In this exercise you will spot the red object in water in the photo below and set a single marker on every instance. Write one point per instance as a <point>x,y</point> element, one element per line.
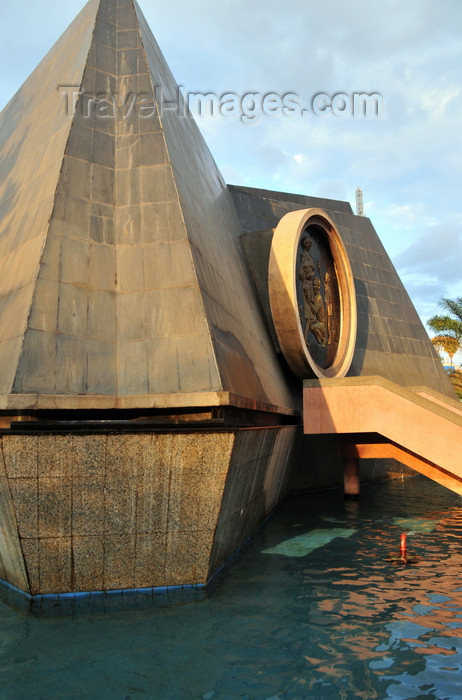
<point>403,546</point>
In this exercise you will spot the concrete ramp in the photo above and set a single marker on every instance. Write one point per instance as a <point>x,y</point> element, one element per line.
<point>378,418</point>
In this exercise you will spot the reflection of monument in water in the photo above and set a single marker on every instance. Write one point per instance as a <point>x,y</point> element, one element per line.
<point>150,366</point>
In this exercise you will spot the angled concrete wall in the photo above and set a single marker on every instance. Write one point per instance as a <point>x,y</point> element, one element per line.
<point>259,477</point>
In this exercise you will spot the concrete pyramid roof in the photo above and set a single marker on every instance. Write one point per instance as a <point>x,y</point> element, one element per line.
<point>122,279</point>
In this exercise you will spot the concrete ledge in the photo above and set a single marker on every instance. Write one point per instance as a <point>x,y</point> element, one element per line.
<point>26,402</point>
<point>422,396</point>
<point>427,393</point>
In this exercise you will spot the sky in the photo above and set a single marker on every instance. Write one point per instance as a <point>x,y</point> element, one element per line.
<point>407,160</point>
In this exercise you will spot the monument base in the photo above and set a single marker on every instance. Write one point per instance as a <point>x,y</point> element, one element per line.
<point>129,510</point>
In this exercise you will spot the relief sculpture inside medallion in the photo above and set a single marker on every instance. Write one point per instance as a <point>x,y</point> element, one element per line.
<point>318,296</point>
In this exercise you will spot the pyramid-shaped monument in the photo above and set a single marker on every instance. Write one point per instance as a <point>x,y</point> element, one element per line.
<point>122,275</point>
<point>133,280</point>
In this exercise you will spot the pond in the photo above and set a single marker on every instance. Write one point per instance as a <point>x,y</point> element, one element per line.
<point>318,605</point>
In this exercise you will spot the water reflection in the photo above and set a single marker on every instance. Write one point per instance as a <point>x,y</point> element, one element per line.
<point>342,621</point>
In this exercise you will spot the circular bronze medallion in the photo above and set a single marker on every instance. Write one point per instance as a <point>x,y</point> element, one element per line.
<point>312,295</point>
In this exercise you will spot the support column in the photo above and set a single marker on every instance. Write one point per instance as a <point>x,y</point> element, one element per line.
<point>351,478</point>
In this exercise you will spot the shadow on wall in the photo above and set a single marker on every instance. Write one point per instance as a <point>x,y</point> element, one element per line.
<point>362,304</point>
<point>318,464</point>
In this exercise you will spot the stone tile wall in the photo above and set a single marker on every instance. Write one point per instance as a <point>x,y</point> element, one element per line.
<point>107,512</point>
<point>259,476</point>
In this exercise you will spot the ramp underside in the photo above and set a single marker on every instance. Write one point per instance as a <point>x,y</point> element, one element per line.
<point>378,418</point>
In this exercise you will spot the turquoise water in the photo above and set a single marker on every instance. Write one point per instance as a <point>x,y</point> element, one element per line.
<point>316,607</point>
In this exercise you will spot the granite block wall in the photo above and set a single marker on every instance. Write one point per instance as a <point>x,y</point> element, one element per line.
<point>258,478</point>
<point>105,512</point>
<point>109,512</point>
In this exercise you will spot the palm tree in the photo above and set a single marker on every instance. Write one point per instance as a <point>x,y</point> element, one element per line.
<point>449,330</point>
<point>448,343</point>
<point>456,379</point>
<point>449,325</point>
